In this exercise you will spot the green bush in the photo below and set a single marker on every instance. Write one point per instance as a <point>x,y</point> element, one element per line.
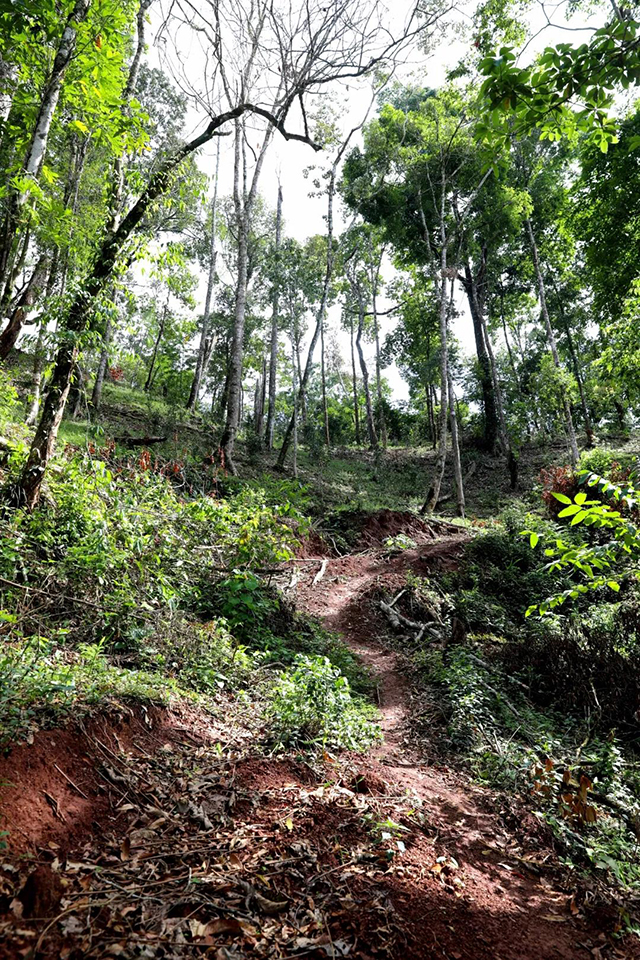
<point>601,459</point>
<point>313,704</point>
<point>500,574</point>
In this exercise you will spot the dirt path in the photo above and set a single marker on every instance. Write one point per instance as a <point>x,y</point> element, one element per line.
<point>164,833</point>
<point>506,907</point>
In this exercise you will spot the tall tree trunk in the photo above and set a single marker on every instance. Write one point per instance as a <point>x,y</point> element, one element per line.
<point>302,398</point>
<point>295,397</point>
<point>470,284</point>
<point>36,151</point>
<point>433,496</point>
<point>354,381</point>
<point>259,401</point>
<point>478,311</point>
<point>156,347</point>
<point>14,269</point>
<point>455,447</point>
<point>323,377</point>
<point>505,440</point>
<point>371,426</point>
<point>588,426</point>
<point>320,315</point>
<point>273,342</point>
<point>206,336</point>
<point>568,417</point>
<point>8,78</point>
<point>381,417</point>
<point>39,352</point>
<point>243,203</point>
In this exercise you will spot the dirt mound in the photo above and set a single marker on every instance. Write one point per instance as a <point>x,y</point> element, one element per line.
<point>363,530</point>
<point>379,527</point>
<point>56,790</point>
<point>313,545</point>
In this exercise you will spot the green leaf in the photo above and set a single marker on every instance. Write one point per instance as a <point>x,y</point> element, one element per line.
<point>562,497</point>
<point>614,585</point>
<point>533,539</point>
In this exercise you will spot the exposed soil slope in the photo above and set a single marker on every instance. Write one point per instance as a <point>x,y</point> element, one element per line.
<point>162,834</point>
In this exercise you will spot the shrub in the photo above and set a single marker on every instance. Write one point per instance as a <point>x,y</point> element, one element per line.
<point>313,704</point>
<point>8,397</point>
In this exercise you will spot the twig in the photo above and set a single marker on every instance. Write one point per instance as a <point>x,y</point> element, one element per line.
<point>395,599</point>
<point>69,780</point>
<point>320,574</point>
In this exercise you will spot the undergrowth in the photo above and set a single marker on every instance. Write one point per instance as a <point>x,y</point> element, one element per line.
<point>123,584</point>
<point>544,709</point>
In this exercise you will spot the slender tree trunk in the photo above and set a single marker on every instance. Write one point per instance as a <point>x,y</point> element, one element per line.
<point>206,336</point>
<point>571,433</point>
<point>512,362</point>
<point>156,347</point>
<point>14,268</point>
<point>433,496</point>
<point>323,375</point>
<point>117,187</point>
<point>39,352</point>
<point>273,343</point>
<point>381,417</point>
<point>455,447</point>
<point>8,78</point>
<point>71,198</point>
<point>588,426</point>
<point>259,401</point>
<point>354,379</point>
<point>295,398</point>
<point>34,158</point>
<point>235,358</point>
<point>302,398</point>
<point>470,285</point>
<point>371,426</point>
<point>243,203</point>
<point>505,440</point>
<point>21,310</point>
<point>321,310</point>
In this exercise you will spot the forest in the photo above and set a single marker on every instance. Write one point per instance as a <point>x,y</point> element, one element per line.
<point>319,444</point>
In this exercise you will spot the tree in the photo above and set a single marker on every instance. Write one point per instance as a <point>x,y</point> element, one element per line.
<point>337,43</point>
<point>404,182</point>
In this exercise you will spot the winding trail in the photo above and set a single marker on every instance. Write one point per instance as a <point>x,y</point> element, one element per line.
<point>511,908</point>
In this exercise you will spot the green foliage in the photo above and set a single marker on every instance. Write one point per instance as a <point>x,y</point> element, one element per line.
<point>568,89</point>
<point>40,678</point>
<point>137,603</point>
<point>614,550</point>
<point>313,704</point>
<point>8,398</point>
<point>500,574</point>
